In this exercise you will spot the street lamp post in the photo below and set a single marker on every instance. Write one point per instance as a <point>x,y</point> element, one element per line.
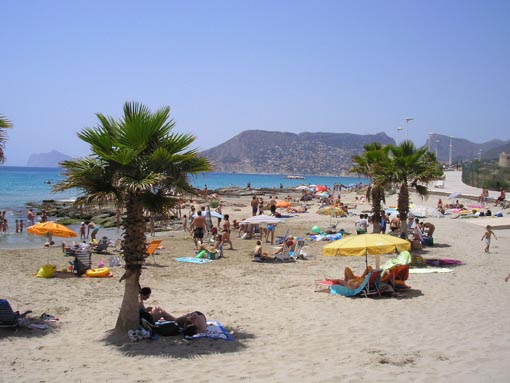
<point>430,141</point>
<point>480,155</point>
<point>437,144</point>
<point>450,157</point>
<point>398,134</point>
<point>407,127</point>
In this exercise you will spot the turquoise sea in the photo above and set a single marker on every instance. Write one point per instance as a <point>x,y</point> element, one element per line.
<point>21,185</point>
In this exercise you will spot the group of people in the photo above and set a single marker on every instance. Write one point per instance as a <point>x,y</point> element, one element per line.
<point>200,227</point>
<point>191,323</point>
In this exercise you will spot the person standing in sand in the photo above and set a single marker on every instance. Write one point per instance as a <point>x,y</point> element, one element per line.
<point>226,231</point>
<point>487,236</point>
<point>198,227</point>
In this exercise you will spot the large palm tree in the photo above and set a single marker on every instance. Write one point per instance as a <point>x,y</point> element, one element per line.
<point>410,167</point>
<point>369,164</point>
<point>4,123</point>
<point>135,161</point>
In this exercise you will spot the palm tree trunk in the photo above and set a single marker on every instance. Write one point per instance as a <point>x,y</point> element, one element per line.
<point>376,208</point>
<point>134,255</point>
<point>403,207</point>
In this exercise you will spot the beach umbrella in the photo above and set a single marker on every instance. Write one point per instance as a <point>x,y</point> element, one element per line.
<point>214,214</point>
<point>320,188</point>
<point>263,218</point>
<point>365,244</point>
<point>454,195</point>
<point>425,211</point>
<point>51,229</point>
<point>302,187</point>
<point>283,204</point>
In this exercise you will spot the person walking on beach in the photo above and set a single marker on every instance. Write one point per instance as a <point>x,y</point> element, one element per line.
<point>254,206</point>
<point>198,227</point>
<point>487,236</point>
<point>226,231</point>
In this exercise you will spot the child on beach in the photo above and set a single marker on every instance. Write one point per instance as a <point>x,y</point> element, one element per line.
<point>487,235</point>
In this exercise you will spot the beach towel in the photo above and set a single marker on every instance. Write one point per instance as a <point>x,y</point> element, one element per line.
<point>441,262</point>
<point>428,270</point>
<point>215,330</point>
<point>193,260</point>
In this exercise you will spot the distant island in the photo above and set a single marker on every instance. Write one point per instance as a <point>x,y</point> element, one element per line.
<point>47,160</point>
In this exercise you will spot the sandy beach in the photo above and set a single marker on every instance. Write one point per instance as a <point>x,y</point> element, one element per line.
<point>449,327</point>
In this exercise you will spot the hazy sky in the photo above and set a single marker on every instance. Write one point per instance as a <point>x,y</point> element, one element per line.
<point>228,66</point>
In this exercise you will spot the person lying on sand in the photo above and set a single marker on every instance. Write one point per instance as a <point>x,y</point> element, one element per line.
<point>352,281</point>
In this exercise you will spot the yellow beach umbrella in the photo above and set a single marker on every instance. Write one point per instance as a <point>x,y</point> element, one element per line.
<point>364,244</point>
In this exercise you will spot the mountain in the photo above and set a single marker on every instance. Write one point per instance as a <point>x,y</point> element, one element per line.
<point>260,151</point>
<point>463,149</point>
<point>46,160</point>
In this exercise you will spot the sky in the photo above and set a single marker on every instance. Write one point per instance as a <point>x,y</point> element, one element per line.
<point>224,67</point>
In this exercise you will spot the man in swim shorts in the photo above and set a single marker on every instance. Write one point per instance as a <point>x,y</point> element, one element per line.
<point>198,227</point>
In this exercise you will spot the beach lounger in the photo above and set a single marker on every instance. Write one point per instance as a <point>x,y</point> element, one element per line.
<point>371,285</point>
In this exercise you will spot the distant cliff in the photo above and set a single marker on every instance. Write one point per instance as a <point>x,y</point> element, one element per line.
<point>47,160</point>
<point>259,151</point>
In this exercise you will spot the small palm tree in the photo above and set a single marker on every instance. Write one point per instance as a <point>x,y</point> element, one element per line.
<point>4,124</point>
<point>410,167</point>
<point>135,161</point>
<point>369,164</point>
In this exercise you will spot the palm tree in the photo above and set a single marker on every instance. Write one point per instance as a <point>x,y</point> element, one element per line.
<point>134,162</point>
<point>369,164</point>
<point>410,167</point>
<point>4,124</point>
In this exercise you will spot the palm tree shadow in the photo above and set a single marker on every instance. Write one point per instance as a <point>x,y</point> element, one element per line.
<point>177,346</point>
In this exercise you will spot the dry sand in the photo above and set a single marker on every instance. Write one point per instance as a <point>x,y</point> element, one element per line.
<point>450,327</point>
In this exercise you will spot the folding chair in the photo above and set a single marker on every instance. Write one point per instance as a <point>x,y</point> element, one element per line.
<point>152,247</point>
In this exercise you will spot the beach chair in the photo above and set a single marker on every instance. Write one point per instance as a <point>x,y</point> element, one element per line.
<point>363,288</point>
<point>397,277</point>
<point>8,317</point>
<point>101,247</point>
<point>82,261</point>
<point>373,287</point>
<point>152,247</point>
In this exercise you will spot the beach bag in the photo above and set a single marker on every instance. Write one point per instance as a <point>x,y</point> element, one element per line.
<point>46,271</point>
<point>163,328</point>
<point>166,328</point>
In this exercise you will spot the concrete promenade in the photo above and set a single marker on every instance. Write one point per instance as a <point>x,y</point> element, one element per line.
<point>453,184</point>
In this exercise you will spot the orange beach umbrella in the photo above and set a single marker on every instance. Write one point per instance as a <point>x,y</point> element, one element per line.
<point>51,228</point>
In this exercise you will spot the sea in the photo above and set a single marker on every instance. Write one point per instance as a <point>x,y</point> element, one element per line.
<point>22,185</point>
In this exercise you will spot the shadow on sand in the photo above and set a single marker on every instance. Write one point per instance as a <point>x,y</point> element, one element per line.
<point>177,346</point>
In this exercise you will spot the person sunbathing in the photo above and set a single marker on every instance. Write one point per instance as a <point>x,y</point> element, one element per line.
<point>192,323</point>
<point>156,312</point>
<point>212,249</point>
<point>352,281</point>
<point>290,244</point>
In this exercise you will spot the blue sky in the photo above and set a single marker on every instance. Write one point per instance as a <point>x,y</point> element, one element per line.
<point>228,66</point>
